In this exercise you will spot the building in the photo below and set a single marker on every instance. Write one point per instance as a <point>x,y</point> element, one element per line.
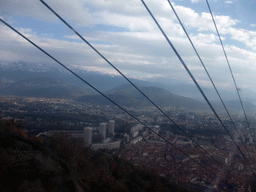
<point>137,139</point>
<point>112,145</point>
<point>135,134</point>
<point>111,127</point>
<point>102,129</point>
<point>107,140</point>
<point>136,128</point>
<point>126,138</point>
<point>88,135</point>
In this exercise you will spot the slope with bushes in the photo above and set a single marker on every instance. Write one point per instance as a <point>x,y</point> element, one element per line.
<point>62,164</point>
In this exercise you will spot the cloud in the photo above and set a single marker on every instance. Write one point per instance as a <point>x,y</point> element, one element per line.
<point>103,70</point>
<point>138,49</point>
<point>77,12</point>
<point>203,22</point>
<point>228,2</point>
<point>226,25</point>
<point>245,36</point>
<point>195,1</point>
<point>205,38</point>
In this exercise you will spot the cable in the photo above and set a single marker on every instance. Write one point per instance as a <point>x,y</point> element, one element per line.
<point>103,94</point>
<point>129,81</point>
<point>207,73</point>
<point>198,86</point>
<point>247,121</point>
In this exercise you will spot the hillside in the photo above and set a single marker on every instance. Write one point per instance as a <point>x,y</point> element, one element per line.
<point>15,73</point>
<point>126,95</point>
<point>43,87</point>
<point>61,164</point>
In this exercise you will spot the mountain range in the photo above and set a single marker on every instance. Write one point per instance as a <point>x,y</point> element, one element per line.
<point>127,95</point>
<point>38,80</point>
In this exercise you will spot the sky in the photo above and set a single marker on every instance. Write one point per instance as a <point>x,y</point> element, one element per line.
<point>126,35</point>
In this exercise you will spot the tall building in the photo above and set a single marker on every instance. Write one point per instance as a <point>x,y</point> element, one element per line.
<point>102,129</point>
<point>111,127</point>
<point>88,135</point>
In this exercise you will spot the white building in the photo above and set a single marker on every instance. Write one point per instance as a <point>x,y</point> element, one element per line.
<point>137,139</point>
<point>112,145</point>
<point>135,134</point>
<point>135,128</point>
<point>102,129</point>
<point>111,127</point>
<point>88,135</point>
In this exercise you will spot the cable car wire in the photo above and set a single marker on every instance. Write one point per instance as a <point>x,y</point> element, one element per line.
<point>101,93</point>
<point>229,66</point>
<point>224,105</point>
<point>136,87</point>
<point>196,83</point>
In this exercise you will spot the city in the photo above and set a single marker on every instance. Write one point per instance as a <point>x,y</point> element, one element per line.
<point>108,128</point>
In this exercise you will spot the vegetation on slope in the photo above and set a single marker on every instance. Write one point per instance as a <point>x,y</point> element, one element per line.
<point>61,164</point>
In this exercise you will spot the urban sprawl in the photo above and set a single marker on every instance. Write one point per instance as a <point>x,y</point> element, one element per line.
<point>109,128</point>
